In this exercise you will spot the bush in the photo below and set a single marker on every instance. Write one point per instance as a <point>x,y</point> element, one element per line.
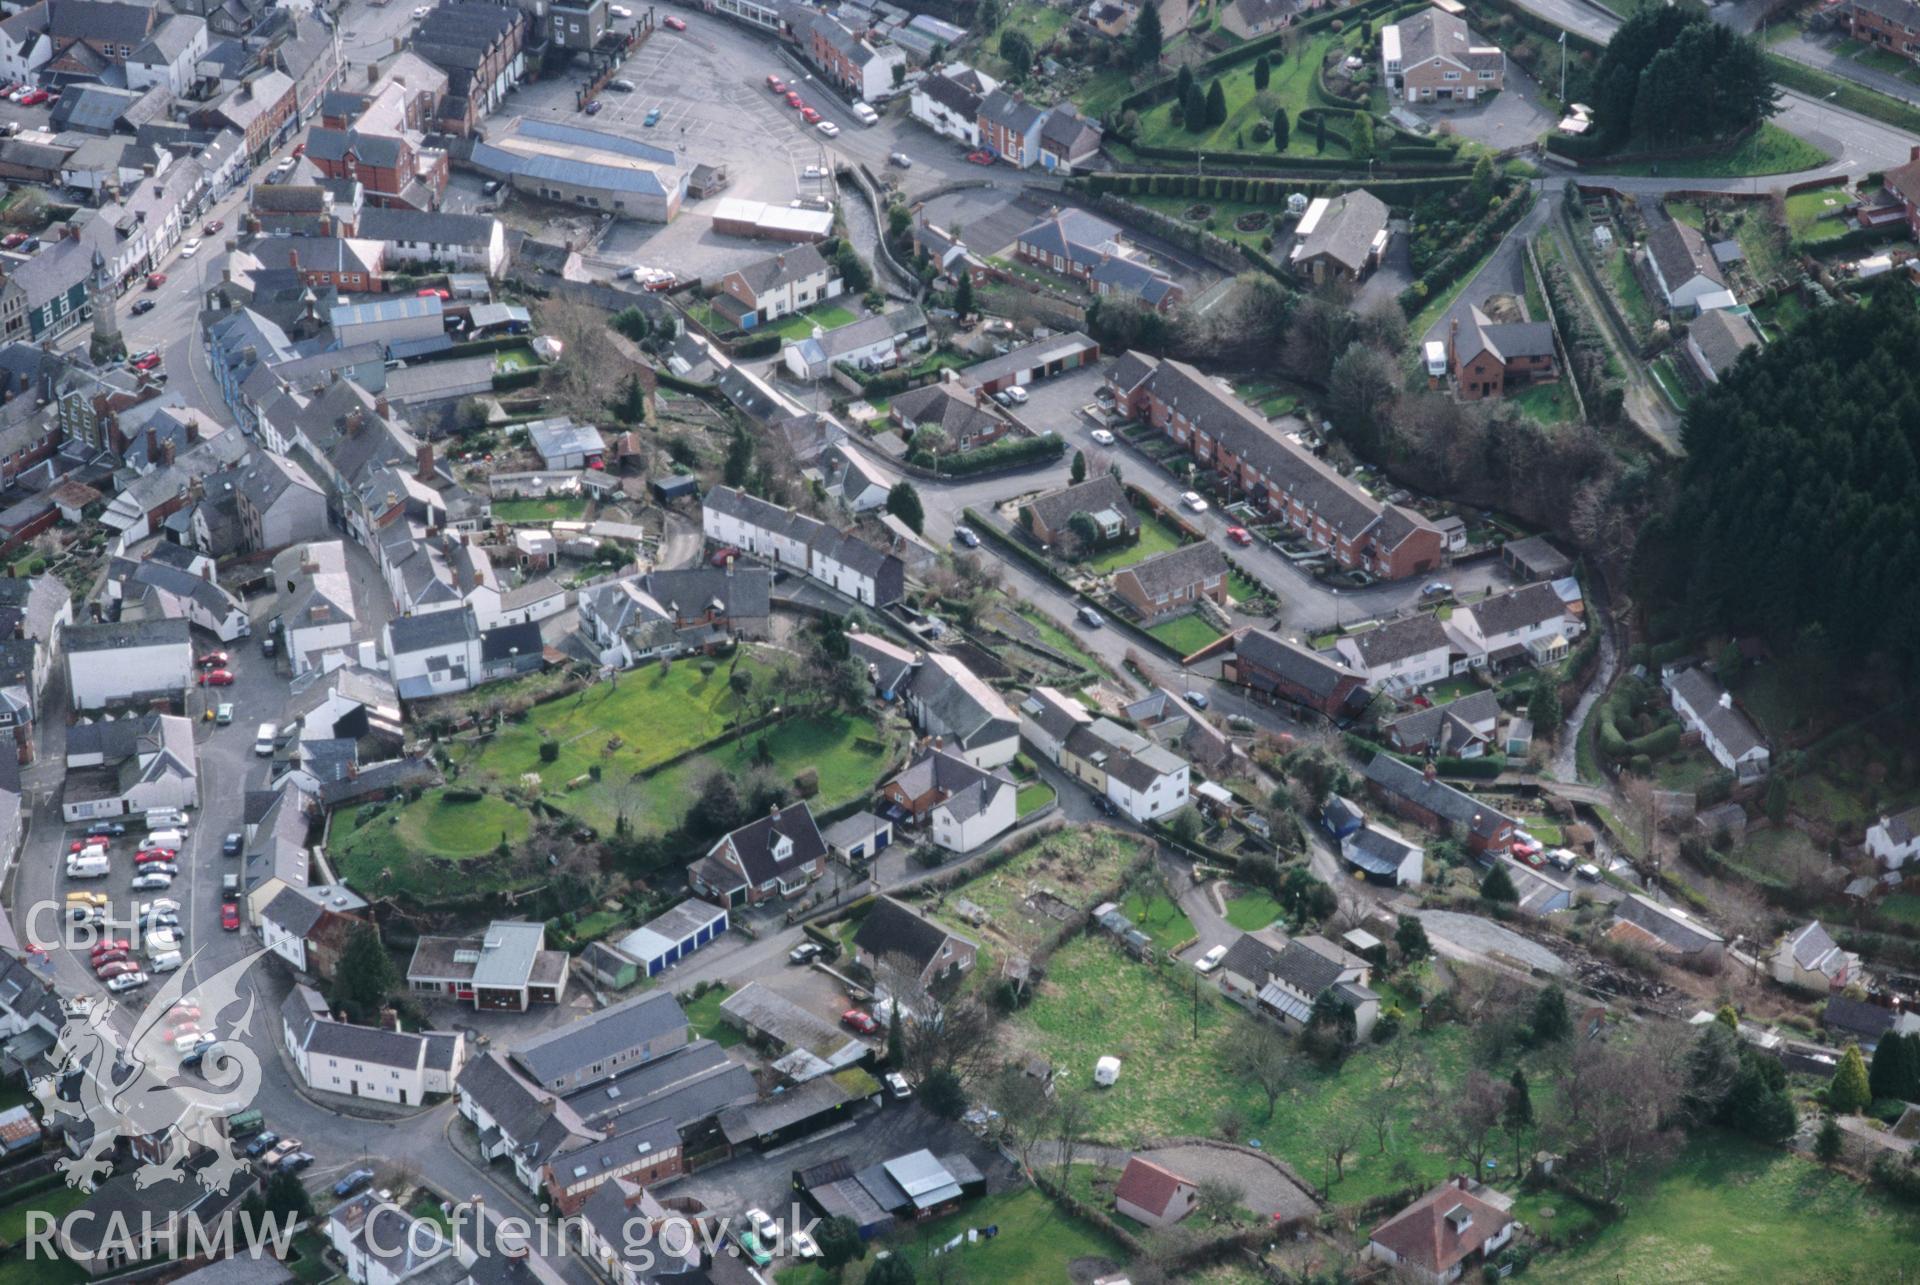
<point>1005,454</point>
<point>549,750</point>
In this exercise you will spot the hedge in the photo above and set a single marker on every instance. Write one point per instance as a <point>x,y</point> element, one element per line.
<point>1269,190</point>
<point>1005,454</point>
<point>1486,768</point>
<point>1161,90</point>
<point>506,381</point>
<point>1487,233</point>
<point>762,345</point>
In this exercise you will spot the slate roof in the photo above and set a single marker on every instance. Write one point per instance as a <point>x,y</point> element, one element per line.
<point>1003,108</point>
<point>956,89</point>
<point>1177,569</point>
<point>1074,234</point>
<point>1505,340</point>
<point>946,406</point>
<point>1427,726</point>
<point>892,929</point>
<point>1252,958</point>
<point>776,270</point>
<point>1682,254</point>
<point>1517,609</point>
<point>1399,640</point>
<point>1379,851</point>
<point>1730,727</point>
<point>1312,964</point>
<point>1814,950</point>
<point>114,635</point>
<point>753,843</point>
<point>1346,229</point>
<point>125,24</point>
<point>437,226</point>
<point>1437,797</point>
<point>1538,557</point>
<point>1318,672</point>
<point>566,1050</point>
<point>956,702</point>
<point>1721,337</point>
<point>432,629</point>
<point>1674,928</point>
<point>1436,33</point>
<point>1091,496</point>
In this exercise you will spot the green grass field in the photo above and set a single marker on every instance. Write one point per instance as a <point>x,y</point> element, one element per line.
<point>57,1203</point>
<point>1671,381</point>
<point>427,847</point>
<point>800,325</point>
<point>1250,910</point>
<point>1053,636</point>
<point>1769,150</point>
<point>1095,1004</point>
<point>1813,217</point>
<point>1160,918</point>
<point>1035,1245</point>
<point>1626,287</point>
<point>560,508</point>
<point>1080,866</point>
<point>1736,1211</point>
<point>703,1015</point>
<point>1155,537</point>
<point>1032,798</point>
<point>1903,907</point>
<point>1548,403</point>
<point>1185,634</point>
<point>1291,88</point>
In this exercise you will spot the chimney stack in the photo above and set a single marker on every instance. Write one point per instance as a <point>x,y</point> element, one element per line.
<point>293,259</point>
<point>382,408</point>
<point>423,461</point>
<point>1431,772</point>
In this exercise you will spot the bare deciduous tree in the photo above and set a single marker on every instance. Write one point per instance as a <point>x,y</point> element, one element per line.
<point>1617,1105</point>
<point>1261,1053</point>
<point>1378,1109</point>
<point>1337,1135</point>
<point>1466,1117</point>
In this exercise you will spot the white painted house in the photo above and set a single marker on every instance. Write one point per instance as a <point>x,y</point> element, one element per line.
<point>1895,839</point>
<point>317,612</point>
<point>367,1061</point>
<point>127,662</point>
<point>1727,733</point>
<point>1404,655</point>
<point>1532,622</point>
<point>1683,265</point>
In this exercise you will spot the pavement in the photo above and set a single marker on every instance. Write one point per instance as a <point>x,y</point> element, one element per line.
<point>1824,53</point>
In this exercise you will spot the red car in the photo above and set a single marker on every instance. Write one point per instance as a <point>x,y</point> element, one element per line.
<point>213,227</point>
<point>720,556</point>
<point>34,98</point>
<point>107,958</point>
<point>859,1021</point>
<point>597,463</point>
<point>982,157</point>
<point>673,24</point>
<point>809,115</point>
<point>433,292</point>
<point>13,240</point>
<point>299,149</point>
<point>91,841</point>
<point>217,678</point>
<point>146,361</point>
<point>107,947</point>
<point>152,855</point>
<point>213,660</point>
<point>795,101</point>
<point>183,1013</point>
<point>118,968</point>
<point>1239,535</point>
<point>155,280</point>
<point>776,84</point>
<point>230,916</point>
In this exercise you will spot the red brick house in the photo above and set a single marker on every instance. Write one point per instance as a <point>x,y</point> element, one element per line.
<point>1273,472</point>
<point>1103,499</point>
<point>348,265</point>
<point>1488,356</point>
<point>90,35</point>
<point>1270,664</point>
<point>1887,24</point>
<point>389,170</point>
<point>1903,185</point>
<point>1419,796</point>
<point>1175,581</point>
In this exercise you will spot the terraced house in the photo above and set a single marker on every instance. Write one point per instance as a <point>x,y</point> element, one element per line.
<point>1887,24</point>
<point>1275,473</point>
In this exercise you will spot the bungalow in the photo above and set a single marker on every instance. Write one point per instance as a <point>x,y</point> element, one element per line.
<point>1286,980</point>
<point>1895,839</point>
<point>1664,930</point>
<point>1173,582</point>
<point>964,806</point>
<point>776,856</point>
<point>967,421</point>
<point>1807,957</point>
<point>869,344</point>
<point>1727,733</point>
<point>1087,248</point>
<point>1461,728</point>
<point>1422,798</point>
<point>1250,18</point>
<point>900,937</point>
<point>1151,1194</point>
<point>1683,265</point>
<point>1867,1022</point>
<point>944,698</point>
<point>1716,339</point>
<point>1340,238</point>
<point>1403,655</point>
<point>1283,669</point>
<point>1384,856</point>
<point>1439,1236</point>
<point>1102,499</point>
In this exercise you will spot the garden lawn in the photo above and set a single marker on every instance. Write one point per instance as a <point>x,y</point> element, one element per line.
<point>1036,1243</point>
<point>1096,1003</point>
<point>1032,798</point>
<point>703,1015</point>
<point>1052,635</point>
<point>1769,150</point>
<point>1548,403</point>
<point>1627,288</point>
<point>800,325</point>
<point>1155,537</point>
<point>1736,1211</point>
<point>1250,910</point>
<point>1224,214</point>
<point>1291,88</point>
<point>511,359</point>
<point>1671,381</point>
<point>57,1202</point>
<point>1160,918</point>
<point>1185,634</point>
<point>430,846</point>
<point>560,508</point>
<point>1813,217</point>
<point>1903,907</point>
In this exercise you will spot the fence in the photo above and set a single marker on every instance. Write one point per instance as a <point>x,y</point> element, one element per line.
<point>1559,340</point>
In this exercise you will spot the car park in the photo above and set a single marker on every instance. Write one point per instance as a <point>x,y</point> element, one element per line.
<point>1193,501</point>
<point>150,881</point>
<point>1211,960</point>
<point>653,118</point>
<point>860,1021</point>
<point>127,982</point>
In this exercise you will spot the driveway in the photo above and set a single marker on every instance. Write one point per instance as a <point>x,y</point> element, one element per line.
<point>1504,272</point>
<point>1514,117</point>
<point>1394,274</point>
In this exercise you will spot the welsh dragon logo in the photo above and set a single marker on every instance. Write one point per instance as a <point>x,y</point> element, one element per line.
<point>139,1088</point>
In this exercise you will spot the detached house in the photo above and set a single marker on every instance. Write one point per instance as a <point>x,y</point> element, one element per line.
<point>1284,669</point>
<point>1284,981</point>
<point>1460,728</point>
<point>900,936</point>
<point>791,281</point>
<point>1151,1194</point>
<point>1173,582</point>
<point>1716,339</point>
<point>1727,733</point>
<point>508,968</point>
<point>968,420</point>
<point>944,698</point>
<point>1895,840</point>
<point>1683,265</point>
<point>774,857</point>
<point>1402,655</point>
<point>1250,18</point>
<point>1489,357</point>
<point>1340,238</point>
<point>963,806</point>
<point>1532,624</point>
<point>1102,499</point>
<point>1442,1234</point>
<point>1808,958</point>
<point>1420,797</point>
<point>1435,57</point>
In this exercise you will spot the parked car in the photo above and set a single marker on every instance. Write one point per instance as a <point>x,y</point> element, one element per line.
<point>966,536</point>
<point>286,164</point>
<point>1102,437</point>
<point>230,916</point>
<point>621,12</point>
<point>721,555</point>
<point>653,118</point>
<point>146,361</point>
<point>1090,618</point>
<point>108,969</point>
<point>180,1013</point>
<point>621,85</point>
<point>1240,535</point>
<point>897,1086</point>
<point>155,280</point>
<point>194,1055</point>
<point>809,115</point>
<point>151,881</point>
<point>828,128</point>
<point>13,240</point>
<point>672,23</point>
<point>795,101</point>
<point>166,961</point>
<point>152,855</point>
<point>1017,395</point>
<point>751,1249</point>
<point>217,678</point>
<point>1193,501</point>
<point>776,84</point>
<point>806,952</point>
<point>34,97</point>
<point>296,1162</point>
<point>803,1245</point>
<point>213,660</point>
<point>1197,699</point>
<point>352,1182</point>
<point>1435,589</point>
<point>281,1150</point>
<point>231,845</point>
<point>214,227</point>
<point>191,248</point>
<point>593,108</point>
<point>860,1021</point>
<point>900,160</point>
<point>224,714</point>
<point>981,157</point>
<point>127,982</point>
<point>106,829</point>
<point>103,947</point>
<point>262,1143</point>
<point>1211,960</point>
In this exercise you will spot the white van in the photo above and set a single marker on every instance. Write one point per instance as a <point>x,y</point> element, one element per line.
<point>81,867</point>
<point>175,839</point>
<point>865,114</point>
<point>167,961</point>
<point>166,819</point>
<point>264,738</point>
